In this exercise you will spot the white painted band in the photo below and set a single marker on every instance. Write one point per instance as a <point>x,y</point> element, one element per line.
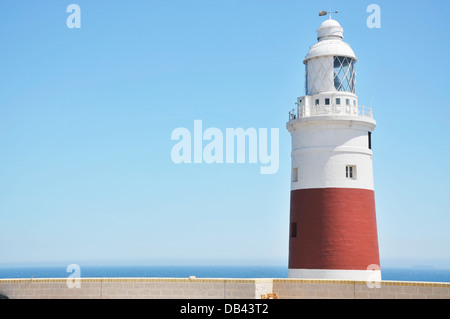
<point>336,274</point>
<point>327,168</point>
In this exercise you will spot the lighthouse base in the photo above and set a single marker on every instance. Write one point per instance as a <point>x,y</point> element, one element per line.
<point>333,229</point>
<point>336,274</point>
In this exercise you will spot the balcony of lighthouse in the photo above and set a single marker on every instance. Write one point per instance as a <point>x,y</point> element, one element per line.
<point>336,104</point>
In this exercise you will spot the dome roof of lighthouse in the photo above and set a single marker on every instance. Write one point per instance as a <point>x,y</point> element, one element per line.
<point>330,29</point>
<point>330,35</point>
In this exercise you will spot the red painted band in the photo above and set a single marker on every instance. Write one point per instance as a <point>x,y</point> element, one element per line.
<point>335,229</point>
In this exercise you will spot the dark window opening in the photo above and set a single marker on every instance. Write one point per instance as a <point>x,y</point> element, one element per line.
<point>295,175</point>
<point>370,140</point>
<point>293,230</point>
<point>327,101</point>
<point>350,171</point>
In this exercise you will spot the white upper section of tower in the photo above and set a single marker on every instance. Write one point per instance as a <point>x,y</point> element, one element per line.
<point>330,78</point>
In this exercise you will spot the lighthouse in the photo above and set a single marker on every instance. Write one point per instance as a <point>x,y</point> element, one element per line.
<point>333,229</point>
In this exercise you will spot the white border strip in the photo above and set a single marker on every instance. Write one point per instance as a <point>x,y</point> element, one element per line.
<point>335,274</point>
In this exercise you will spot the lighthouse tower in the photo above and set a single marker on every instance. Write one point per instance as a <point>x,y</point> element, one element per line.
<point>333,230</point>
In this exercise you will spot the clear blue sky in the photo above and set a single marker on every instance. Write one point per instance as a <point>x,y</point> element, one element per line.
<point>86,117</point>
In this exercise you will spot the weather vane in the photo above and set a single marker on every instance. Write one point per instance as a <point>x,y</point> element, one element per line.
<point>324,13</point>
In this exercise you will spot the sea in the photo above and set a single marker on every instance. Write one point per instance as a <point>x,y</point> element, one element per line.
<point>425,274</point>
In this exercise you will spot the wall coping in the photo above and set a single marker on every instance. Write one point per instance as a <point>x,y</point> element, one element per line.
<point>223,280</point>
<point>137,279</point>
<point>363,282</point>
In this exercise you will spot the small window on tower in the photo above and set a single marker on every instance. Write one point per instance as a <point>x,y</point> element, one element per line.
<point>327,101</point>
<point>295,174</point>
<point>317,101</point>
<point>350,171</point>
<point>293,230</point>
<point>347,101</point>
<point>338,101</point>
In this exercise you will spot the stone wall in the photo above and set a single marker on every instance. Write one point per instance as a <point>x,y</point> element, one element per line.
<point>342,289</point>
<point>120,288</point>
<point>199,288</point>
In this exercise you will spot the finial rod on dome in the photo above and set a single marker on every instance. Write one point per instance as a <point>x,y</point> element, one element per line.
<point>324,13</point>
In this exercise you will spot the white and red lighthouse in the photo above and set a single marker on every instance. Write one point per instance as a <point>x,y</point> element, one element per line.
<point>333,229</point>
